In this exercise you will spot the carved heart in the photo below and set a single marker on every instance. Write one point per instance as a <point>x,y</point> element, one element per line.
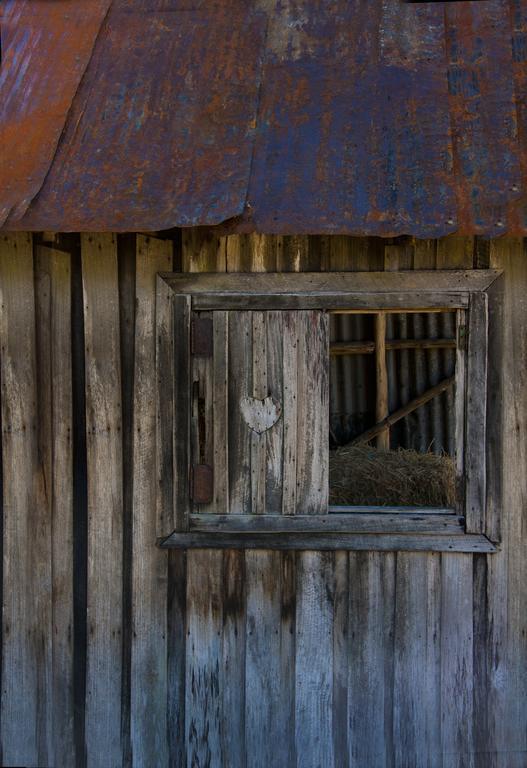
<point>260,415</point>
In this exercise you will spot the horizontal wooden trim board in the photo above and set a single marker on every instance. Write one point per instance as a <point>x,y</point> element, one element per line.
<point>330,541</point>
<point>331,283</point>
<point>399,522</point>
<point>344,291</point>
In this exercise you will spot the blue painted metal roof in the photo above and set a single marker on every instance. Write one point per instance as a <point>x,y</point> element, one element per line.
<point>380,117</point>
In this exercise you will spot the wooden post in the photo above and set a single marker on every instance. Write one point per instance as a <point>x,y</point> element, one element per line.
<point>381,396</point>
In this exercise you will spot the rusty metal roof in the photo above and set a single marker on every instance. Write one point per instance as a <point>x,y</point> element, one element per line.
<point>380,117</point>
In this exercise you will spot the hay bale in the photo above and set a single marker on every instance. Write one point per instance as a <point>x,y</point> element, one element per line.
<point>362,475</point>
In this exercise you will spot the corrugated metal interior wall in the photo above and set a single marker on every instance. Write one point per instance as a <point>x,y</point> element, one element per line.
<point>410,373</point>
<point>117,653</point>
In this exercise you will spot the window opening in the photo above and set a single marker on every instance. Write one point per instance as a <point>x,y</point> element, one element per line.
<point>392,410</point>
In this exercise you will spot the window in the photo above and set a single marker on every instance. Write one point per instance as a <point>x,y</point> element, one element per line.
<point>255,447</point>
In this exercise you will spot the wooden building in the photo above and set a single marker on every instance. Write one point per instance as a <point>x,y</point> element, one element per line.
<point>194,200</point>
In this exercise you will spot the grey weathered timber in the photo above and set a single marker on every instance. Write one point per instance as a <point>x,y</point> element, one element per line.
<point>27,675</point>
<point>220,410</point>
<point>178,430</point>
<point>457,652</point>
<point>239,437</point>
<point>312,411</point>
<point>369,683</point>
<point>425,658</point>
<point>505,643</point>
<point>400,522</point>
<point>166,507</point>
<point>417,661</point>
<point>495,409</point>
<point>263,662</point>
<point>105,505</point>
<point>314,660</point>
<point>204,683</point>
<point>259,407</point>
<point>149,571</point>
<point>476,412</point>
<point>329,541</point>
<point>233,658</point>
<point>54,378</point>
<point>331,286</point>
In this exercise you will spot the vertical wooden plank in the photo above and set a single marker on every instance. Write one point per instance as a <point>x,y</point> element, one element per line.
<point>240,383</point>
<point>460,401</point>
<point>27,547</point>
<point>505,694</point>
<point>457,661</point>
<point>202,437</point>
<point>204,678</point>
<point>371,610</point>
<point>416,701</point>
<point>54,376</point>
<point>290,407</point>
<point>104,454</point>
<point>455,252</point>
<point>215,648</point>
<point>149,573</point>
<point>381,378</point>
<point>274,437</point>
<point>312,459</point>
<point>476,409</point>
<point>314,660</point>
<point>259,391</point>
<point>202,250</point>
<point>233,660</point>
<point>252,253</point>
<point>220,412</point>
<point>179,430</point>
<point>341,660</point>
<point>165,399</point>
<point>263,662</point>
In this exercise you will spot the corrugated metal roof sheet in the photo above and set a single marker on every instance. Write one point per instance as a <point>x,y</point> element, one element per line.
<point>379,117</point>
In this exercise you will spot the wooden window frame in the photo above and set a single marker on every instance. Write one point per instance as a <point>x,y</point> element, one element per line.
<point>475,294</point>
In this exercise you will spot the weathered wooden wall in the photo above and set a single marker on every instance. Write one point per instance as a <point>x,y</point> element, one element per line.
<point>117,653</point>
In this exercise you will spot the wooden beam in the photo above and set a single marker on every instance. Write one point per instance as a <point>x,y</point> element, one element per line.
<point>330,541</point>
<point>359,522</point>
<point>367,347</point>
<point>381,378</point>
<point>405,410</point>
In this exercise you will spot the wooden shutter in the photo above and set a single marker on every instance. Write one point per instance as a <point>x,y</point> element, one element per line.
<point>259,413</point>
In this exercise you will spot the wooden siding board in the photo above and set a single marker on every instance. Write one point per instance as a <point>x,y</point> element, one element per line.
<point>105,500</point>
<point>149,571</point>
<point>27,682</point>
<point>314,660</point>
<point>233,660</point>
<point>457,668</point>
<point>240,380</point>
<point>274,438</point>
<point>167,481</point>
<point>506,649</point>
<point>204,679</point>
<point>416,700</point>
<point>312,406</point>
<point>54,377</point>
<point>476,410</point>
<point>263,680</point>
<point>220,412</point>
<point>332,286</point>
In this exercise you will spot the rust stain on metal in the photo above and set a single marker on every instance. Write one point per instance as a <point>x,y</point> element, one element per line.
<point>381,118</point>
